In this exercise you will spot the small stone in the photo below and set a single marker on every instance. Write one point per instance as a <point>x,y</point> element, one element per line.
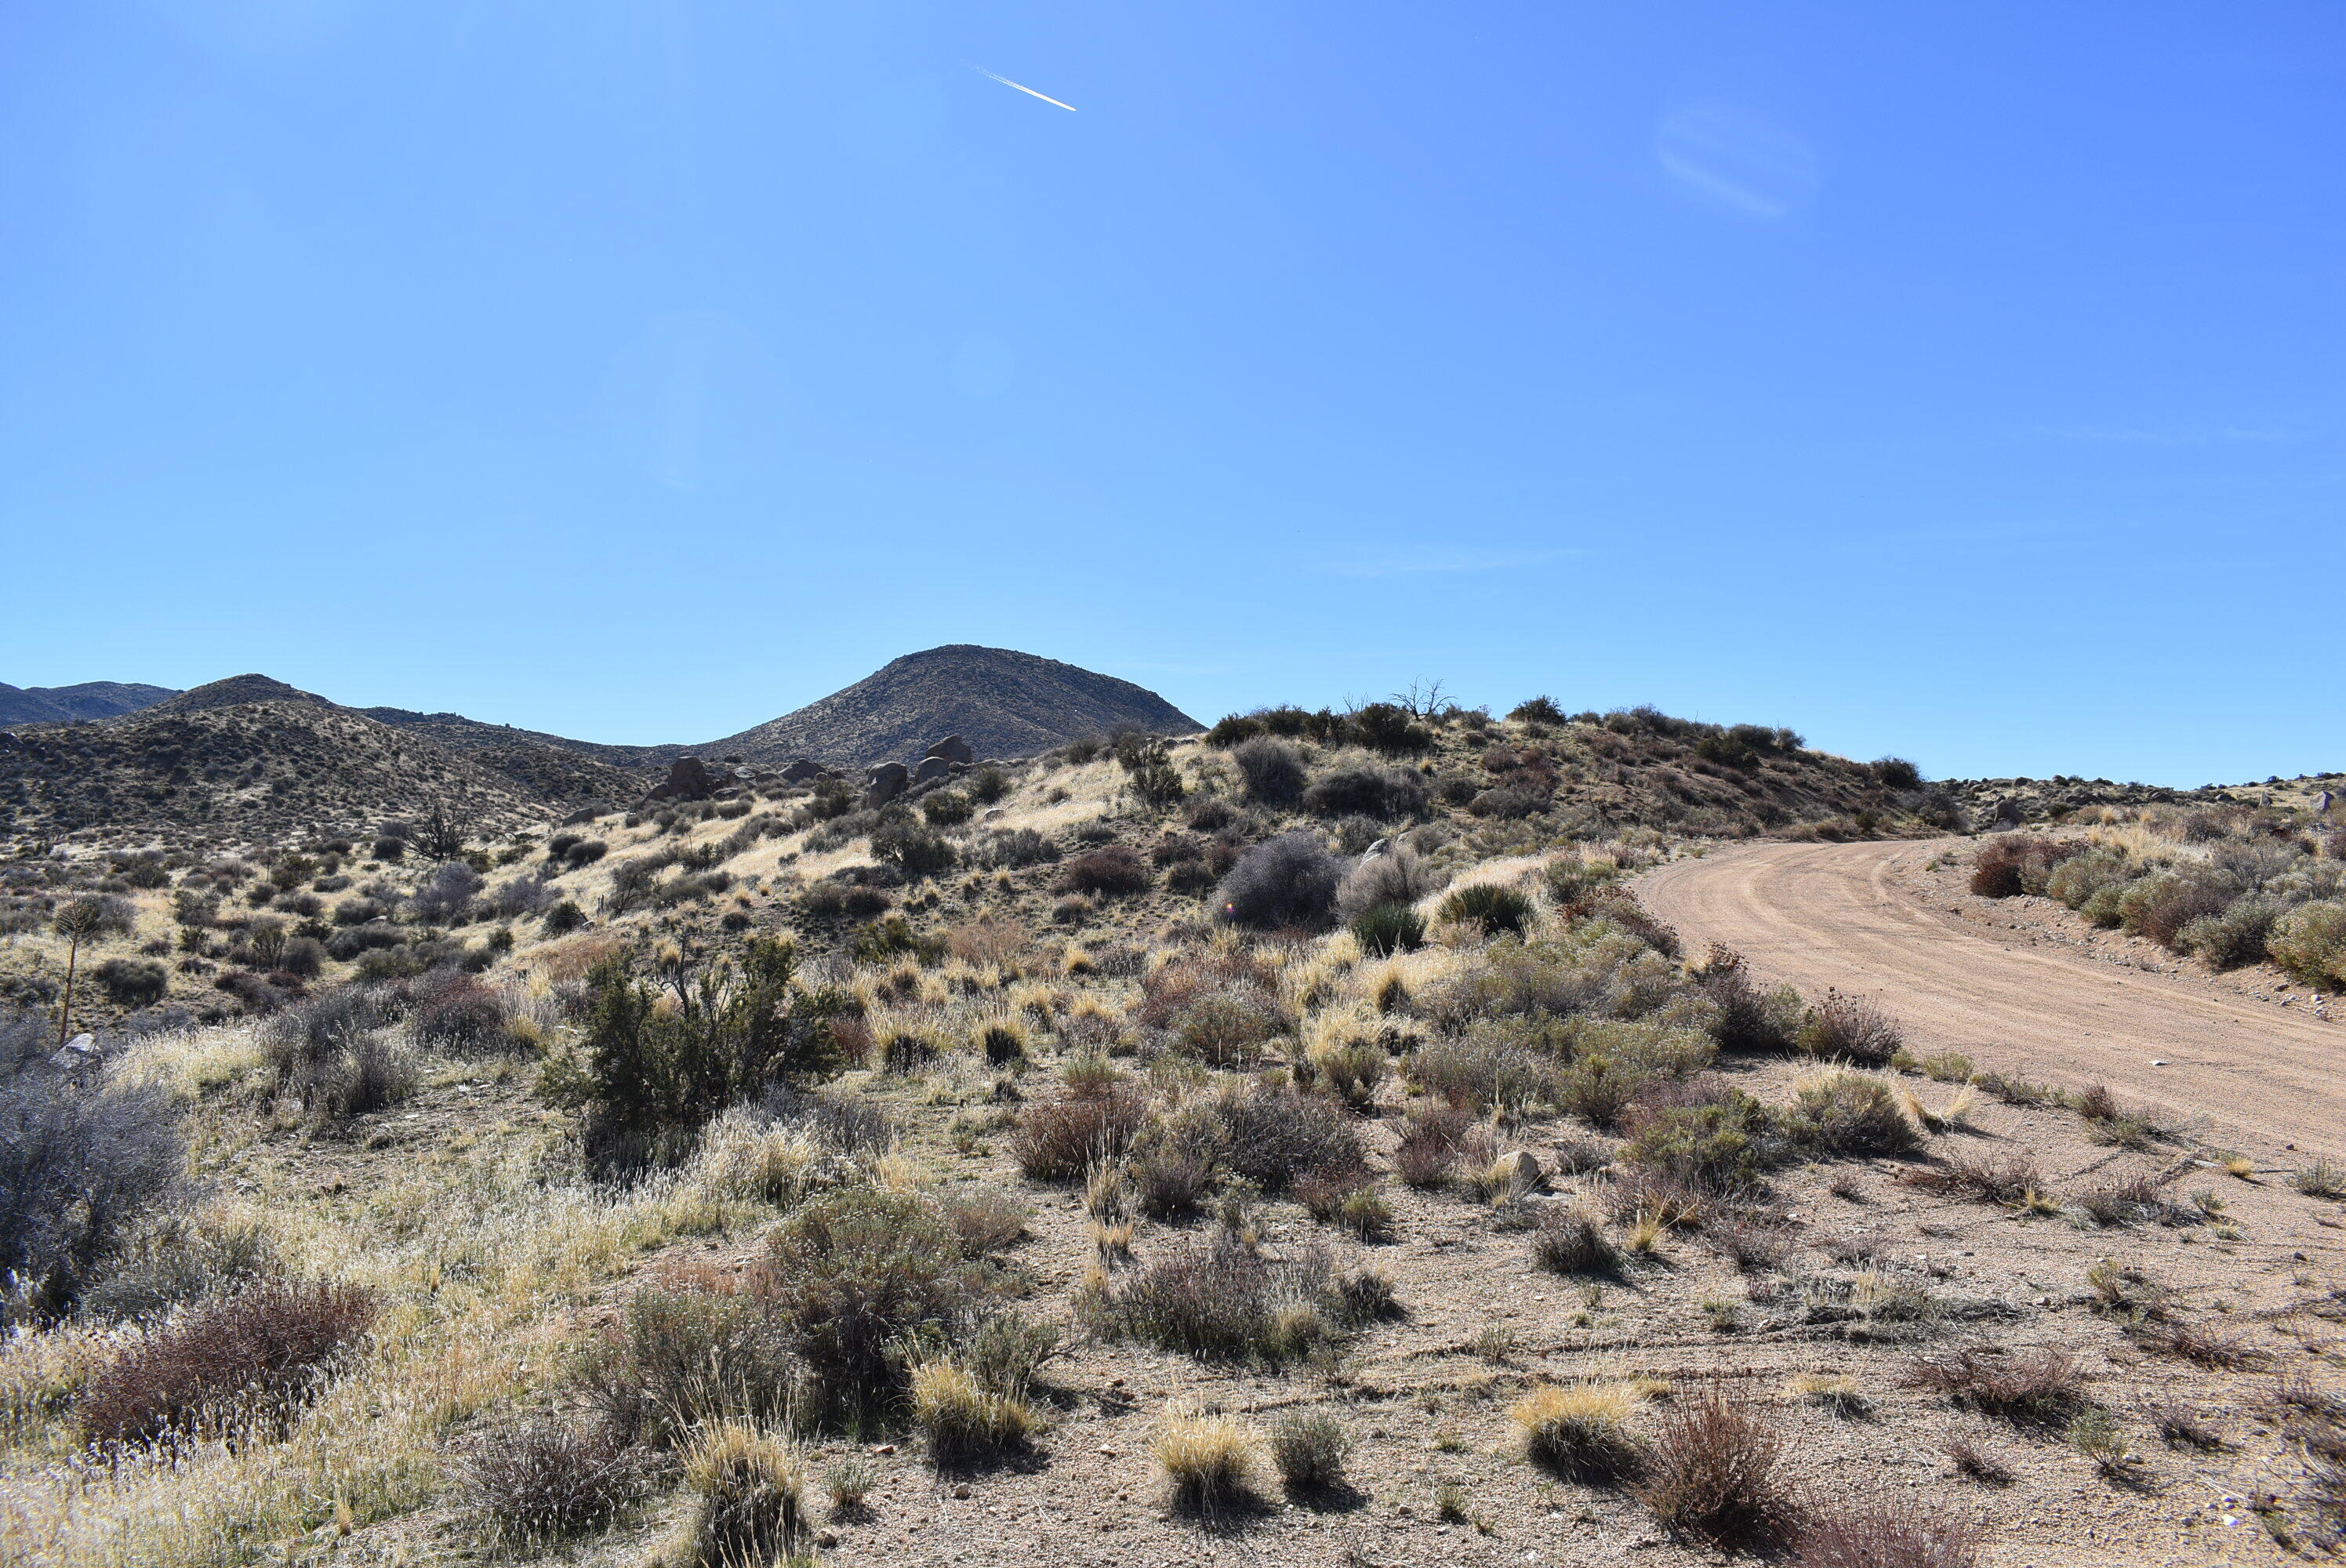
<point>961,1489</point>
<point>826,1540</point>
<point>1106,1452</point>
<point>884,1448</point>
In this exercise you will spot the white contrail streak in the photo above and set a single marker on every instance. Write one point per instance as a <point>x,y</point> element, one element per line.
<point>1030,92</point>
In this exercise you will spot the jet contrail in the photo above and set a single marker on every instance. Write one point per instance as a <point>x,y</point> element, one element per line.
<point>1030,92</point>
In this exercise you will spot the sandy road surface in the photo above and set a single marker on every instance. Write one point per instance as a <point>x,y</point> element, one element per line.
<point>2245,1074</point>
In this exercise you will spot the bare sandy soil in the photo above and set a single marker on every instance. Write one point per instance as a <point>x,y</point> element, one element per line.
<point>2021,986</point>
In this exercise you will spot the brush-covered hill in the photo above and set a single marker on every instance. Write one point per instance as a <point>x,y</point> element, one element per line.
<point>459,733</point>
<point>251,757</point>
<point>70,704</point>
<point>1003,702</point>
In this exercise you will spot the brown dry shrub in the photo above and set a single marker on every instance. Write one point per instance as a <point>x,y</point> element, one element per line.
<point>1428,1151</point>
<point>2040,1389</point>
<point>1169,990</point>
<point>1059,1140</point>
<point>1851,1029</point>
<point>548,1477</point>
<point>250,1360</point>
<point>1111,871</point>
<point>1715,1470</point>
<point>2202,1346</point>
<point>2005,1178</point>
<point>1899,1534</point>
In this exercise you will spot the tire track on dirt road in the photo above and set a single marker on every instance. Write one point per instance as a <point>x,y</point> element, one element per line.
<point>1841,915</point>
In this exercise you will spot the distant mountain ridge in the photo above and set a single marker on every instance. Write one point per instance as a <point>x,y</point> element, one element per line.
<point>250,755</point>
<point>1003,702</point>
<point>72,704</point>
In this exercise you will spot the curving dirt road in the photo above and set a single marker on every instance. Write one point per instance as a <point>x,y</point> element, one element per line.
<point>1843,915</point>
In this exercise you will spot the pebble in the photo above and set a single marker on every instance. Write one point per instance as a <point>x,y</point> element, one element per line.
<point>961,1489</point>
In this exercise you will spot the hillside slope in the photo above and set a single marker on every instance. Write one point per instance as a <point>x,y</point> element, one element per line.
<point>70,704</point>
<point>236,771</point>
<point>1003,702</point>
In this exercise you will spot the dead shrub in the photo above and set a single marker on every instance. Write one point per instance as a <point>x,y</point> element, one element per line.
<point>1059,1140</point>
<point>1567,1241</point>
<point>1219,1300</point>
<point>1273,1137</point>
<point>2040,1390</point>
<point>1170,1183</point>
<point>2202,1346</point>
<point>1714,1471</point>
<point>248,1362</point>
<point>1111,871</point>
<point>548,1477</point>
<point>2006,1179</point>
<point>1893,1533</point>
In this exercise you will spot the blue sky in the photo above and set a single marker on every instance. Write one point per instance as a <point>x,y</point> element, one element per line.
<point>1963,382</point>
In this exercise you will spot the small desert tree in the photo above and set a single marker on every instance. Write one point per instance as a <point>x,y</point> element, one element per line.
<point>77,921</point>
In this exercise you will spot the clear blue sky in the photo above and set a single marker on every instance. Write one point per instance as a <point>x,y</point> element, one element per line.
<point>1960,381</point>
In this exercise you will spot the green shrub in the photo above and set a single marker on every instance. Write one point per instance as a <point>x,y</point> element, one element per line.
<point>1722,1145</point>
<point>2160,905</point>
<point>564,918</point>
<point>2310,942</point>
<point>1489,908</point>
<point>1384,929</point>
<point>947,808</point>
<point>866,1279</point>
<point>135,981</point>
<point>1844,1113</point>
<point>1389,727</point>
<point>650,1077</point>
<point>2237,936</point>
<point>1273,1137</point>
<point>2080,877</point>
<point>678,1361</point>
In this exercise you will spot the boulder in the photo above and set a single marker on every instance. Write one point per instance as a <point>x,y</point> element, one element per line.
<point>691,779</point>
<point>802,771</point>
<point>952,748</point>
<point>932,768</point>
<point>883,781</point>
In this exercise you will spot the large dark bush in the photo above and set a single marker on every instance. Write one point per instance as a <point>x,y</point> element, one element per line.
<point>78,1164</point>
<point>1389,727</point>
<point>1272,769</point>
<point>916,850</point>
<point>132,981</point>
<point>1289,880</point>
<point>650,1077</point>
<point>1381,792</point>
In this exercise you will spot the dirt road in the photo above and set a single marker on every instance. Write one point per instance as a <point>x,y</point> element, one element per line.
<point>2245,1074</point>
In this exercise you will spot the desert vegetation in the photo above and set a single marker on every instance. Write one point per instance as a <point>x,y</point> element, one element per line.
<point>1302,1131</point>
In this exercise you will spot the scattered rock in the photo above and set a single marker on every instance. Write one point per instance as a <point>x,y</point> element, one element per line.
<point>952,749</point>
<point>931,767</point>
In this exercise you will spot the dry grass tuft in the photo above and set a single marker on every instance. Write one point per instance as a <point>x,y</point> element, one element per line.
<point>1210,1461</point>
<point>751,1502</point>
<point>1578,1430</point>
<point>962,1421</point>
